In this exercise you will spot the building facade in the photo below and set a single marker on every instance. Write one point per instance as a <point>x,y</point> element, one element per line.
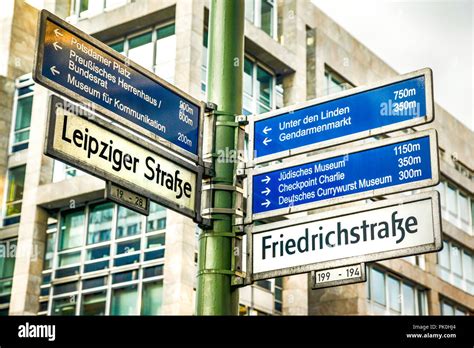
<point>65,250</point>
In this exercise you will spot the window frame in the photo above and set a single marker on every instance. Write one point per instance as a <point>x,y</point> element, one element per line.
<point>21,82</point>
<point>6,203</point>
<point>153,29</point>
<point>108,272</point>
<point>417,290</point>
<point>257,16</point>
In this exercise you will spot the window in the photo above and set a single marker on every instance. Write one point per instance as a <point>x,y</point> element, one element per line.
<point>165,56</point>
<point>262,13</point>
<point>49,252</point>
<point>124,301</point>
<point>451,308</point>
<point>278,295</point>
<point>128,222</point>
<point>154,49</point>
<point>72,229</point>
<point>204,60</point>
<point>334,83</point>
<point>89,8</point>
<point>7,266</point>
<point>390,294</point>
<point>456,266</point>
<point>152,298</point>
<point>100,223</point>
<point>157,219</point>
<point>140,50</point>
<point>259,87</point>
<point>260,92</point>
<point>22,110</point>
<point>457,206</point>
<point>94,304</point>
<point>101,237</point>
<point>63,171</point>
<point>64,306</point>
<point>15,186</point>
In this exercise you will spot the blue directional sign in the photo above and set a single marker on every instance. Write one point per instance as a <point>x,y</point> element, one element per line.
<point>358,113</point>
<point>386,166</point>
<point>78,66</point>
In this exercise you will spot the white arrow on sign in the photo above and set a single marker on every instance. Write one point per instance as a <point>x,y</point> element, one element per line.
<point>56,46</point>
<point>266,192</point>
<point>266,180</point>
<point>54,71</point>
<point>266,130</point>
<point>266,141</point>
<point>266,203</point>
<point>57,32</point>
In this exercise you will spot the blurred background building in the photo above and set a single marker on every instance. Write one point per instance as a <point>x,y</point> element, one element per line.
<point>64,250</point>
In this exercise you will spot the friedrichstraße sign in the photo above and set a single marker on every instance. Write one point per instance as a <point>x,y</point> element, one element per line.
<point>338,276</point>
<point>400,102</point>
<point>80,67</point>
<point>375,231</point>
<point>379,168</point>
<point>87,142</point>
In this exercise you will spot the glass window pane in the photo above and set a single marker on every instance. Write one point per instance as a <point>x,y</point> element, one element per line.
<point>49,252</point>
<point>377,286</point>
<point>100,223</point>
<point>250,10</point>
<point>98,253</point>
<point>23,113</point>
<point>69,258</point>
<point>267,16</point>
<point>72,229</point>
<point>141,50</point>
<point>118,46</point>
<point>422,302</point>
<point>456,265</point>
<point>7,258</point>
<point>155,241</point>
<point>128,222</point>
<point>443,256</point>
<point>451,200</point>
<point>468,266</point>
<point>446,309</point>
<point>16,181</point>
<point>408,293</point>
<point>64,306</point>
<point>464,207</point>
<point>166,54</point>
<point>94,304</point>
<point>458,311</point>
<point>394,294</point>
<point>157,218</point>
<point>248,77</point>
<point>152,298</point>
<point>166,31</point>
<point>128,247</point>
<point>124,301</point>
<point>264,87</point>
<point>472,215</point>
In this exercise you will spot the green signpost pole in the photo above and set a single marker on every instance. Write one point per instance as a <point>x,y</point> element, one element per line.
<point>215,294</point>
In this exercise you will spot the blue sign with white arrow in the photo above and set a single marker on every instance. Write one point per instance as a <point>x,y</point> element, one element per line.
<point>76,65</point>
<point>362,112</point>
<point>386,166</point>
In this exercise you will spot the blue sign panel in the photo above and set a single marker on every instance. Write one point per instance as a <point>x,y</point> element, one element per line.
<point>392,165</point>
<point>400,104</point>
<point>87,72</point>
